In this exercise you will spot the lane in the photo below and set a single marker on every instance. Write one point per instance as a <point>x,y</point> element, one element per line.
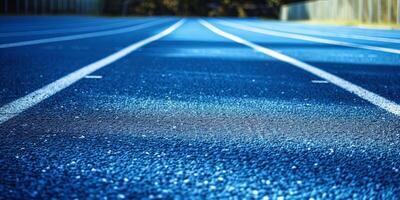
<point>387,33</point>
<point>18,106</point>
<point>375,71</point>
<point>348,36</point>
<point>360,45</point>
<point>31,23</point>
<point>62,32</point>
<point>47,31</point>
<point>34,40</point>
<point>26,69</point>
<point>195,115</point>
<point>332,35</point>
<point>350,87</point>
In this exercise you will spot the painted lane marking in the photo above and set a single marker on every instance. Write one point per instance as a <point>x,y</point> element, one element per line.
<point>81,36</point>
<point>69,30</point>
<point>68,23</point>
<point>373,98</point>
<point>341,35</point>
<point>308,38</point>
<point>93,77</point>
<point>386,28</point>
<point>319,81</point>
<point>18,106</point>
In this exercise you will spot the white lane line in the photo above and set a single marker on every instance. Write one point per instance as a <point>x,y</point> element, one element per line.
<point>308,38</point>
<point>341,35</point>
<point>40,24</point>
<point>386,28</point>
<point>93,77</point>
<point>81,36</point>
<point>319,81</point>
<point>18,106</point>
<point>373,98</point>
<point>69,30</point>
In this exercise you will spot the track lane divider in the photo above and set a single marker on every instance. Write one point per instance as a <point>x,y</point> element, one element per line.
<point>297,30</point>
<point>308,38</point>
<point>93,28</point>
<point>369,96</point>
<point>18,106</point>
<point>81,36</point>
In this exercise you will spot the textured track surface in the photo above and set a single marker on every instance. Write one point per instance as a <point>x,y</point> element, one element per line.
<point>195,115</point>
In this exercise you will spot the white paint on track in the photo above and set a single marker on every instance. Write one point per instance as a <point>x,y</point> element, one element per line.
<point>81,36</point>
<point>69,30</point>
<point>386,28</point>
<point>373,98</point>
<point>339,35</point>
<point>319,81</point>
<point>93,77</point>
<point>308,38</point>
<point>18,106</point>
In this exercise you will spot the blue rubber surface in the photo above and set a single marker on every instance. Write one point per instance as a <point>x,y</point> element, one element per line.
<point>194,115</point>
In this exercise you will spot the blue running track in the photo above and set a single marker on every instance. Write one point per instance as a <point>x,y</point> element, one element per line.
<point>192,114</point>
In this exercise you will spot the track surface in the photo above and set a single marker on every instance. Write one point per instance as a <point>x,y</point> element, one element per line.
<point>196,115</point>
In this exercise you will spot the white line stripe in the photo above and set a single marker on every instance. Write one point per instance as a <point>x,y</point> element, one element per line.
<point>12,25</point>
<point>386,28</point>
<point>340,35</point>
<point>373,98</point>
<point>308,38</point>
<point>319,81</point>
<point>16,107</point>
<point>93,77</point>
<point>69,30</point>
<point>80,36</point>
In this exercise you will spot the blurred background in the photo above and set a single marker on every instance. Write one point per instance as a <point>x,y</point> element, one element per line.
<point>240,8</point>
<point>357,11</point>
